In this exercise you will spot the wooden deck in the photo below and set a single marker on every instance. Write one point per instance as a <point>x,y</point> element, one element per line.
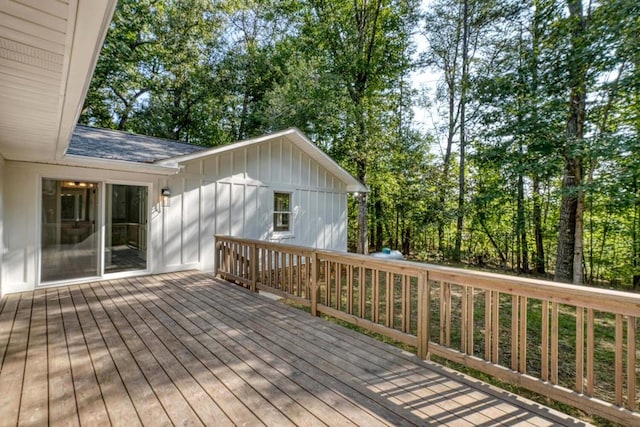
<point>187,349</point>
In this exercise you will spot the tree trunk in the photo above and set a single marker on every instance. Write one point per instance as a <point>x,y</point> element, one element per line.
<point>567,227</point>
<point>406,240</point>
<point>578,250</point>
<point>362,247</point>
<point>379,231</point>
<point>445,167</point>
<point>570,243</point>
<point>537,225</point>
<point>522,229</point>
<point>539,261</point>
<point>457,253</point>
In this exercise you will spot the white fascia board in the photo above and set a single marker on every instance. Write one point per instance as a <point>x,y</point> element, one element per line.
<point>117,165</point>
<point>303,143</point>
<point>224,148</point>
<point>293,135</point>
<point>87,27</point>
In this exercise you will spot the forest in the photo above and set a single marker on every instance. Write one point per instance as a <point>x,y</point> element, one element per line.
<point>500,134</point>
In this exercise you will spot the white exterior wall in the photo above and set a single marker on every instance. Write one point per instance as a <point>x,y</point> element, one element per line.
<point>2,246</point>
<point>230,193</point>
<point>22,215</point>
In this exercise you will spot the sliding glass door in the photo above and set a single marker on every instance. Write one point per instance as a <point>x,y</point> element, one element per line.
<point>71,245</point>
<point>70,237</point>
<point>126,228</point>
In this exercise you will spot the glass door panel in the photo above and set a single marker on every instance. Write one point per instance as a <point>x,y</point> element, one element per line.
<point>126,228</point>
<point>69,232</point>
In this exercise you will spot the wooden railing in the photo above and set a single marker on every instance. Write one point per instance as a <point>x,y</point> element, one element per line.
<point>574,344</point>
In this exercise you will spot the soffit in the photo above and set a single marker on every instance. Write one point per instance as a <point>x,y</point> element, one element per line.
<point>48,50</point>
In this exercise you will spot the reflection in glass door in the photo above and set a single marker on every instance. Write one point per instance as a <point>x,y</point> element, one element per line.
<point>126,228</point>
<point>69,232</point>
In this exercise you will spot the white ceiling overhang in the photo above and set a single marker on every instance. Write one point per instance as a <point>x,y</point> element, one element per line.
<point>48,51</point>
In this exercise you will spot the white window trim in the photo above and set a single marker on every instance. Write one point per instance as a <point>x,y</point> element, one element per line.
<point>283,234</point>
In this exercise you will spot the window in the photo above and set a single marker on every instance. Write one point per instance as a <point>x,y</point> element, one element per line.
<point>281,212</point>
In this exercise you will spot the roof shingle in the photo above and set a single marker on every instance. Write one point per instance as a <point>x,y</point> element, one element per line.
<point>116,145</point>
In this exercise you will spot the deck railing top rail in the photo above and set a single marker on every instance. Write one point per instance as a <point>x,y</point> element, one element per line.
<point>626,303</point>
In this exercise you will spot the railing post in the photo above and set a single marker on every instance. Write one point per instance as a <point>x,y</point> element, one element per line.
<point>216,260</point>
<point>315,288</point>
<point>253,266</point>
<point>424,307</point>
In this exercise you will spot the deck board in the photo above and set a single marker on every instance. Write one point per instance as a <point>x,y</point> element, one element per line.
<point>12,372</point>
<point>90,405</point>
<point>62,399</point>
<point>35,399</point>
<point>184,348</point>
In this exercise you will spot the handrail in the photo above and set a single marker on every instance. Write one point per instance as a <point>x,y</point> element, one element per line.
<point>513,328</point>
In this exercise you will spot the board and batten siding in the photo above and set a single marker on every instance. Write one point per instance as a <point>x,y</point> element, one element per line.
<point>231,193</point>
<point>22,216</point>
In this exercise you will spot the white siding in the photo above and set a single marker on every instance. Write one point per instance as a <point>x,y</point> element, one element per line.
<point>21,216</point>
<point>2,279</point>
<point>191,224</point>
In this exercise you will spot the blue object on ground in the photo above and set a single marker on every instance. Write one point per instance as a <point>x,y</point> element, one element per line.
<point>388,254</point>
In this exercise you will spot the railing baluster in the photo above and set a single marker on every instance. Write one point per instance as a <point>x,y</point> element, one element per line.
<point>375,306</point>
<point>488,332</point>
<point>389,301</point>
<point>309,275</point>
<point>554,343</point>
<point>618,359</point>
<point>292,288</point>
<point>445,314</point>
<point>269,269</point>
<point>522,353</point>
<point>514,331</point>
<point>464,320</point>
<point>495,341</point>
<point>579,349</point>
<point>406,304</point>
<point>544,342</point>
<point>297,278</point>
<point>339,286</point>
<point>327,282</point>
<point>254,268</point>
<point>470,320</point>
<point>590,350</point>
<point>424,307</point>
<point>442,311</point>
<point>350,289</point>
<point>314,284</point>
<point>362,291</point>
<point>631,363</point>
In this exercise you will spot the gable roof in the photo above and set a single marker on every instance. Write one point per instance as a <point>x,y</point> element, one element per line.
<point>122,149</point>
<point>295,137</point>
<point>129,147</point>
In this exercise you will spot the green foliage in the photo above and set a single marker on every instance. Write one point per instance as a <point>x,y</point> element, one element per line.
<point>212,72</point>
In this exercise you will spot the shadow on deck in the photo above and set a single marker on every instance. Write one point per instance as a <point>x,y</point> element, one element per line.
<point>185,348</point>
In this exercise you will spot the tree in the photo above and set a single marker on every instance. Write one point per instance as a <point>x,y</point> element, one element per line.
<point>361,43</point>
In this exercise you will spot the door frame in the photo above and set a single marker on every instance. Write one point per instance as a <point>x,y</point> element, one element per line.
<point>100,226</point>
<point>103,231</point>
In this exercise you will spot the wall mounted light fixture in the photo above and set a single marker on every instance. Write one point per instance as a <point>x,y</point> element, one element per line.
<point>165,197</point>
